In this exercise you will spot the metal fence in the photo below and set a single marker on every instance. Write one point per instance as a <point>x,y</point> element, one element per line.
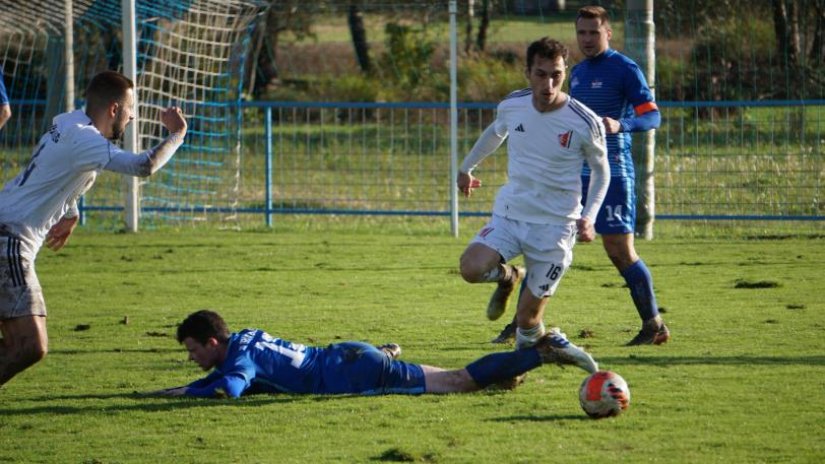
<point>741,160</point>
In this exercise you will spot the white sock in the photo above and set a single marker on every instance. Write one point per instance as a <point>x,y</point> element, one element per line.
<point>528,337</point>
<point>493,275</point>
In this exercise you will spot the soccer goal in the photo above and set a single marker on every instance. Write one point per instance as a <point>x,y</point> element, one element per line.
<point>189,53</point>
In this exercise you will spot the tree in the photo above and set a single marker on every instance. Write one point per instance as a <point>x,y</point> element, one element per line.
<point>355,19</point>
<point>817,52</point>
<point>468,29</point>
<point>481,39</point>
<point>786,27</point>
<point>281,16</point>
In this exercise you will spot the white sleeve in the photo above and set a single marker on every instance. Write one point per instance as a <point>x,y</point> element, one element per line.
<point>596,157</point>
<point>486,144</point>
<point>146,163</point>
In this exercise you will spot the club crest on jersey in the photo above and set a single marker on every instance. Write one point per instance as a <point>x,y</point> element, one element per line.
<point>564,139</point>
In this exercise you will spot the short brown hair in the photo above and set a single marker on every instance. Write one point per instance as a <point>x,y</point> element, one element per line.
<point>106,88</point>
<point>593,12</point>
<point>548,48</point>
<point>203,325</point>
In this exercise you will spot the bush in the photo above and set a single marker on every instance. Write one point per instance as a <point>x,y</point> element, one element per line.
<point>488,79</point>
<point>727,66</point>
<point>672,78</point>
<point>406,60</point>
<point>351,88</point>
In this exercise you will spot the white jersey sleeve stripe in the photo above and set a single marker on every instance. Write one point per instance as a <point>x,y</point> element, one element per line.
<point>588,117</point>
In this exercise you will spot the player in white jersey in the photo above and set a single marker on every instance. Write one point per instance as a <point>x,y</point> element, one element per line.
<point>538,213</point>
<point>40,204</point>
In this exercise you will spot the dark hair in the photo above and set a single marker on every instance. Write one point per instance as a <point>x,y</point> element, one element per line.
<point>546,47</point>
<point>203,325</point>
<point>593,12</point>
<point>105,88</point>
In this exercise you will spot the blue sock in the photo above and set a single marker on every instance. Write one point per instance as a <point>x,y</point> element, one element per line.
<point>497,367</point>
<point>640,283</point>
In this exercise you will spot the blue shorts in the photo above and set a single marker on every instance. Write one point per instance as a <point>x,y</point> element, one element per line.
<point>360,368</point>
<point>618,212</point>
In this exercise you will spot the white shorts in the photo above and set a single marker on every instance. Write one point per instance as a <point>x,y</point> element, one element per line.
<point>547,249</point>
<point>20,293</point>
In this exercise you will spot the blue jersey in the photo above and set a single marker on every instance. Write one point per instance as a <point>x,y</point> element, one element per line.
<point>612,85</point>
<point>259,363</point>
<point>4,97</point>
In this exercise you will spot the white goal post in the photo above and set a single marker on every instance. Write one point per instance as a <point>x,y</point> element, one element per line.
<point>187,53</point>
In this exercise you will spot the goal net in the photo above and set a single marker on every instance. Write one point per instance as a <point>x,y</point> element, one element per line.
<point>190,53</point>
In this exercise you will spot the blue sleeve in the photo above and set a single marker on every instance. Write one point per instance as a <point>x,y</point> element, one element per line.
<point>213,376</point>
<point>4,97</point>
<point>650,120</point>
<point>232,386</point>
<point>645,114</point>
<point>231,379</point>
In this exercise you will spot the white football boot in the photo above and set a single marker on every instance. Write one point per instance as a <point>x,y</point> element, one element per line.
<point>554,347</point>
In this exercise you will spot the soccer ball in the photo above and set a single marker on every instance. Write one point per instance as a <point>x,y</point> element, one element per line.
<point>604,394</point>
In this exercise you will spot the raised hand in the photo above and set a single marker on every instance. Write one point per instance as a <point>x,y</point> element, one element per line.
<point>174,121</point>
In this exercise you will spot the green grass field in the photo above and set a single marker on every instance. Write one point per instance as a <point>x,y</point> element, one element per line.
<point>741,381</point>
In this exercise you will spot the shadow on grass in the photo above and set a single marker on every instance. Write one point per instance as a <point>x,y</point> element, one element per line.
<point>162,404</point>
<point>744,360</point>
<point>543,418</point>
<point>145,404</point>
<point>74,352</point>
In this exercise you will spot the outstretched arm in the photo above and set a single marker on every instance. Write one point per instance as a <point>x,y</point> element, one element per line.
<point>174,391</point>
<point>150,161</point>
<point>214,385</point>
<point>181,391</point>
<point>175,123</point>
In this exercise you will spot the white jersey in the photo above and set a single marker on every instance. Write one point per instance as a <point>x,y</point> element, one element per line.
<point>545,155</point>
<point>64,165</point>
